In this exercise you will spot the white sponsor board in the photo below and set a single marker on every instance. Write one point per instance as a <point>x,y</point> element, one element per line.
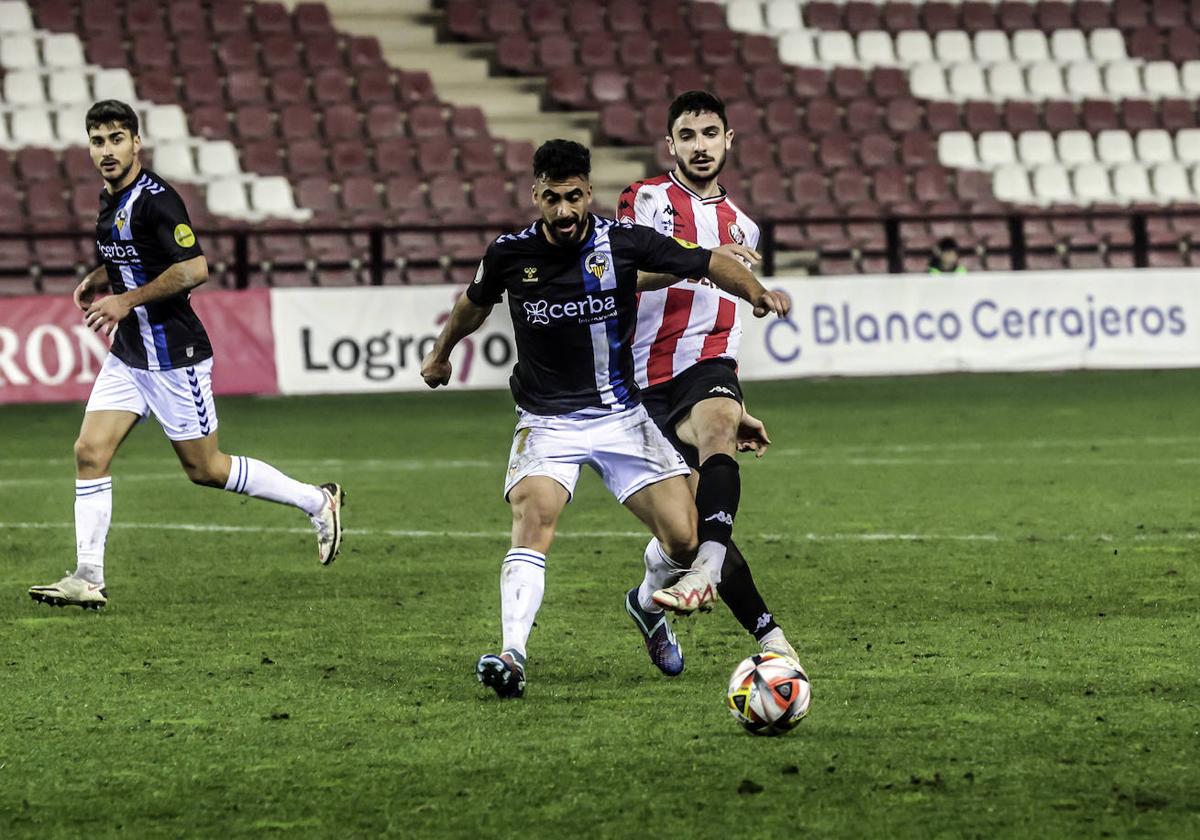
<point>1010,321</point>
<point>338,340</point>
<point>344,341</point>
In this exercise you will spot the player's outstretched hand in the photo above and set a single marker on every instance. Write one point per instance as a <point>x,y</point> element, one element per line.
<point>752,435</point>
<point>773,300</point>
<point>435,373</point>
<point>102,316</point>
<point>747,256</point>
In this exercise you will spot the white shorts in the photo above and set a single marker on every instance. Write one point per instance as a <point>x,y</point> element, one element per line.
<point>626,449</point>
<point>181,399</point>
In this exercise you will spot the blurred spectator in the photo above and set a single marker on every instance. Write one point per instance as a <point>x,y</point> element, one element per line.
<point>945,257</point>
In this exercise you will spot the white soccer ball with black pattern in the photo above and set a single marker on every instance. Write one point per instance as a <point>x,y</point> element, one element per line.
<point>768,694</point>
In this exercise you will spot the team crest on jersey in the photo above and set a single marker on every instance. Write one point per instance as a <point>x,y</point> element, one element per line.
<point>122,218</point>
<point>736,233</point>
<point>596,264</point>
<point>531,274</point>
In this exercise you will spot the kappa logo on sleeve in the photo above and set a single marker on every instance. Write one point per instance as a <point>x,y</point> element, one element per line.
<point>184,236</point>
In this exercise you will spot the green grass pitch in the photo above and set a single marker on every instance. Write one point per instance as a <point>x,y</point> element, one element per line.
<point>992,581</point>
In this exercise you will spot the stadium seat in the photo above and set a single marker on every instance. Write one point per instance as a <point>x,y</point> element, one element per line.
<point>928,81</point>
<point>174,161</point>
<point>1154,146</point>
<point>31,127</point>
<point>1131,183</point>
<point>914,48</point>
<point>1090,183</point>
<point>217,159</point>
<point>1068,46</point>
<point>1170,182</point>
<point>1075,148</point>
<point>1010,183</point>
<point>1187,146</point>
<point>272,197</point>
<point>1106,45</point>
<point>957,149</point>
<point>796,47</point>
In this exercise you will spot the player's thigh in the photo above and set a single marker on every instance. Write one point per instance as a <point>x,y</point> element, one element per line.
<point>669,511</point>
<point>711,426</point>
<point>537,501</point>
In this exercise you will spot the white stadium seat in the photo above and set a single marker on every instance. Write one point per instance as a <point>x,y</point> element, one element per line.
<point>174,161</point>
<point>165,122</point>
<point>996,149</point>
<point>953,47</point>
<point>69,86</point>
<point>836,49</point>
<point>272,196</point>
<point>1170,182</point>
<point>745,16</point>
<point>217,158</point>
<point>24,87</point>
<point>796,48</point>
<point>957,149</point>
<point>227,197</point>
<point>876,48</point>
<point>966,81</point>
<point>927,81</point>
<point>1091,184</point>
<point>783,15</point>
<point>1035,148</point>
<point>1052,184</point>
<point>1189,78</point>
<point>1187,146</point>
<point>15,17</point>
<point>1114,146</point>
<point>31,127</point>
<point>1106,45</point>
<point>1075,148</point>
<point>1083,80</point>
<point>1006,81</point>
<point>1154,146</point>
<point>113,84</point>
<point>913,48</point>
<point>1160,79</point>
<point>1130,183</point>
<point>992,47</point>
<point>62,50</point>
<point>1044,80</point>
<point>1011,183</point>
<point>19,52</point>
<point>1196,180</point>
<point>1030,45</point>
<point>1122,79</point>
<point>70,123</point>
<point>1068,45</point>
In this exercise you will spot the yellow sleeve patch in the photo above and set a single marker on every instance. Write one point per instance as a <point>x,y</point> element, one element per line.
<point>184,236</point>
<point>685,243</point>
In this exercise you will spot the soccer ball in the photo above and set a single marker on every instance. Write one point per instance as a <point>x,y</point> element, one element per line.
<point>768,694</point>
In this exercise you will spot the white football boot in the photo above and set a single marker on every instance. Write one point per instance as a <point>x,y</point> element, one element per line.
<point>694,591</point>
<point>71,591</point>
<point>328,523</point>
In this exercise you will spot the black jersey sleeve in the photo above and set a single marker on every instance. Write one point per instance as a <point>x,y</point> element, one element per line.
<point>488,286</point>
<point>168,217</point>
<point>666,254</point>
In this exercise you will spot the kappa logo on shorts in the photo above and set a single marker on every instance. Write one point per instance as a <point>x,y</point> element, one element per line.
<point>721,389</point>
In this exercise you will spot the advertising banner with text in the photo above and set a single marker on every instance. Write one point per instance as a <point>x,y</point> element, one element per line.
<point>47,353</point>
<point>339,341</point>
<point>854,326</point>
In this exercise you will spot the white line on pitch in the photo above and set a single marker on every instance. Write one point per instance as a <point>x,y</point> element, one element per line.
<point>769,537</point>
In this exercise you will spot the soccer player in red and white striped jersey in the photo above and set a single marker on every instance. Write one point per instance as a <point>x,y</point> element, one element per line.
<point>685,355</point>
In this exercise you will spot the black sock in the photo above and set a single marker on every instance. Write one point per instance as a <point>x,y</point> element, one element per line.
<point>739,593</point>
<point>717,495</point>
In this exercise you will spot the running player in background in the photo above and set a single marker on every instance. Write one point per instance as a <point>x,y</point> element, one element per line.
<point>685,352</point>
<point>160,362</point>
<point>571,280</point>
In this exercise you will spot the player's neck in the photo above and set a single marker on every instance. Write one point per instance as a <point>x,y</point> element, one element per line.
<point>705,189</point>
<point>130,177</point>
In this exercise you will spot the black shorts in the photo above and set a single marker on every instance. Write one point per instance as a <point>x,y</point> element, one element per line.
<point>670,402</point>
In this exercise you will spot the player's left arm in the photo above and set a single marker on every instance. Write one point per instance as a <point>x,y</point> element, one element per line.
<point>104,315</point>
<point>748,256</point>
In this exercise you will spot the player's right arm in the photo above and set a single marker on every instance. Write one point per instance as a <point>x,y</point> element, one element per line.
<point>469,312</point>
<point>95,281</point>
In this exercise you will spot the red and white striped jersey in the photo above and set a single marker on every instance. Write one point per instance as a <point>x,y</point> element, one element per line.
<point>692,320</point>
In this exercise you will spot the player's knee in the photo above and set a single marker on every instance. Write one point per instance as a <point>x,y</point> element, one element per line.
<point>720,434</point>
<point>90,457</point>
<point>680,546</point>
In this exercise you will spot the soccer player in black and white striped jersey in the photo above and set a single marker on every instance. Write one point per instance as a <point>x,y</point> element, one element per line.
<point>160,363</point>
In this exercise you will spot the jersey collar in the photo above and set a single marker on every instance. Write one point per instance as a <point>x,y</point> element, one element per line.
<point>715,199</point>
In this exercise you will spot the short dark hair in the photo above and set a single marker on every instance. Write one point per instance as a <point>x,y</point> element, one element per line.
<point>695,102</point>
<point>108,111</point>
<point>947,243</point>
<point>558,160</point>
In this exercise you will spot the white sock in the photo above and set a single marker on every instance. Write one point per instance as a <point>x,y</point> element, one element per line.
<point>710,558</point>
<point>93,514</point>
<point>522,582</point>
<point>661,572</point>
<point>262,481</point>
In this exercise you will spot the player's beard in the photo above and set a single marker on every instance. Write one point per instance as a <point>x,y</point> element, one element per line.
<point>702,180</point>
<point>573,238</point>
<point>122,173</point>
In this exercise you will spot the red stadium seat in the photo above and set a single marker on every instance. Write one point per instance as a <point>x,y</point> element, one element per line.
<point>394,156</point>
<point>360,195</point>
<point>796,153</point>
<point>298,122</point>
<point>426,121</point>
<point>365,52</point>
<point>809,81</point>
<point>850,186</point>
<point>279,52</point>
<point>1138,114</point>
<point>626,16</point>
<point>608,86</point>
<point>1020,116</point>
<point>753,154</point>
<point>982,116</point>
<point>1146,43</point>
<point>728,82</point>
<point>901,17</point>
<point>209,122</point>
<point>848,82</point>
<point>1130,14</point>
<point>1014,15</point>
<point>1052,15</point>
<point>769,81</point>
<point>835,151</point>
<point>890,186</point>
<point>435,157</point>
<point>782,118</point>
<point>555,51</point>
<point>464,20</point>
<point>271,18</point>
<point>822,116</point>
<point>888,83</point>
<point>903,114</point>
<point>331,86</point>
<point>918,148</point>
<point>77,165</point>
<point>468,122</point>
<point>768,190</point>
<point>322,51</point>
<point>349,156</point>
<point>245,87</point>
<point>373,85</point>
<point>943,116</point>
<point>262,157</point>
<point>758,51</point>
<point>978,16</point>
<point>236,51</point>
<point>1176,114</point>
<point>317,194</point>
<point>312,18</point>
<point>385,122</point>
<point>1060,116</point>
<point>823,15</point>
<point>619,122</point>
<point>477,156</point>
<point>290,87</point>
<point>414,86</point>
<point>862,17</point>
<point>502,18</point>
<point>35,164</point>
<point>715,48</point>
<point>809,188</point>
<point>254,122</point>
<point>877,150</point>
<point>567,87</point>
<point>864,116</point>
<point>1093,14</point>
<point>544,17</point>
<point>306,157</point>
<point>341,122</point>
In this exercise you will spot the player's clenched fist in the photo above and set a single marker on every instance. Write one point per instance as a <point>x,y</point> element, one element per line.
<point>435,372</point>
<point>772,300</point>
